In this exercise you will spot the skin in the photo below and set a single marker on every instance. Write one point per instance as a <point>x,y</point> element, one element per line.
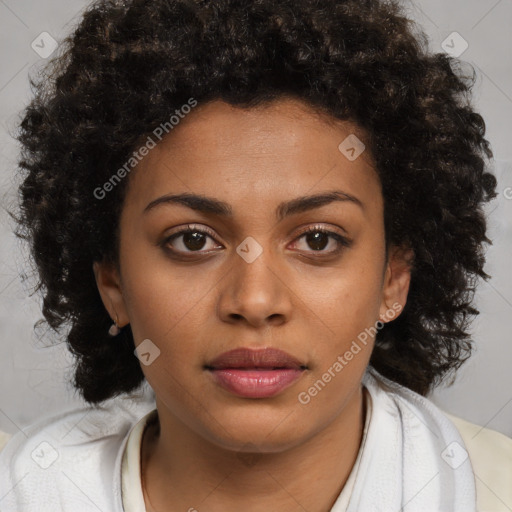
<point>216,451</point>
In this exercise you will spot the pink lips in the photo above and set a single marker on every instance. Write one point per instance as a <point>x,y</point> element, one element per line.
<point>258,373</point>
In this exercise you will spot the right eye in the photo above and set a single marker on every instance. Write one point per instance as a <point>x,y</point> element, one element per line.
<point>189,240</point>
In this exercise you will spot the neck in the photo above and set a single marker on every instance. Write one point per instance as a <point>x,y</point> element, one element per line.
<point>181,467</point>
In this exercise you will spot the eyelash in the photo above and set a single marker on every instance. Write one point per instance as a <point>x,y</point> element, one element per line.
<point>342,241</point>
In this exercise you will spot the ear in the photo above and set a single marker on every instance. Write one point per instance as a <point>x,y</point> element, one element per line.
<point>109,285</point>
<point>395,286</point>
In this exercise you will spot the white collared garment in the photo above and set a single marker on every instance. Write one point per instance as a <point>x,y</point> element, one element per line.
<point>411,455</point>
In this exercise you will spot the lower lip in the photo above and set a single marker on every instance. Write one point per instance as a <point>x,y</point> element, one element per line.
<point>256,383</point>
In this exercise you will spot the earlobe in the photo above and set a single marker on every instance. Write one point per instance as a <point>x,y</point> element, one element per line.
<point>396,282</point>
<point>109,287</point>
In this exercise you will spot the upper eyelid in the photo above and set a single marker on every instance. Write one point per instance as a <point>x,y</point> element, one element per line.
<point>318,227</point>
<point>192,227</point>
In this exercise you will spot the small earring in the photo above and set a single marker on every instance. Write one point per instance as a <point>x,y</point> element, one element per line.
<point>114,328</point>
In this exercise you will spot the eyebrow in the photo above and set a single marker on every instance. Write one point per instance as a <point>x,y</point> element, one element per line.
<point>214,206</point>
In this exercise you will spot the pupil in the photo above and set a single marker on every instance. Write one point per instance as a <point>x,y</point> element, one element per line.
<point>315,240</point>
<point>193,241</point>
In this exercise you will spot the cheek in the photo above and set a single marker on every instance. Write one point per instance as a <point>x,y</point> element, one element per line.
<point>162,300</point>
<point>350,298</point>
<point>347,308</point>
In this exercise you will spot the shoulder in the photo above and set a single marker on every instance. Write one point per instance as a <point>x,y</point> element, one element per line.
<point>490,453</point>
<point>73,459</point>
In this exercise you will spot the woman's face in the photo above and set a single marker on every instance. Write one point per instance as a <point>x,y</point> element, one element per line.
<point>247,276</point>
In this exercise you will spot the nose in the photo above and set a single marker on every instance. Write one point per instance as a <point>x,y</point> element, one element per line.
<point>255,293</point>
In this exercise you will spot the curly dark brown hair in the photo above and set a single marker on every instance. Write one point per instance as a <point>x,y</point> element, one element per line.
<point>129,64</point>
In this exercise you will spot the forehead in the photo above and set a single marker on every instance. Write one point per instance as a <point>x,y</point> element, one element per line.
<point>282,149</point>
<point>282,124</point>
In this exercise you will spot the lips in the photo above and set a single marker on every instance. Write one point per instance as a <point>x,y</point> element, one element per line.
<point>267,358</point>
<point>259,373</point>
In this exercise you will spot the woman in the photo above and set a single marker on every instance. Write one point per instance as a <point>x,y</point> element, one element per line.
<point>272,213</point>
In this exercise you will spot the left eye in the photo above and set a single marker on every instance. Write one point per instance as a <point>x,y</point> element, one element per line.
<point>318,239</point>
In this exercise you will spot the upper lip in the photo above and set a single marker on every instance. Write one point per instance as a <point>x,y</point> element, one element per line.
<point>255,358</point>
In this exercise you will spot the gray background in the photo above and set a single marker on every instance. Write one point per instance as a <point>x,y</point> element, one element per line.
<point>33,374</point>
